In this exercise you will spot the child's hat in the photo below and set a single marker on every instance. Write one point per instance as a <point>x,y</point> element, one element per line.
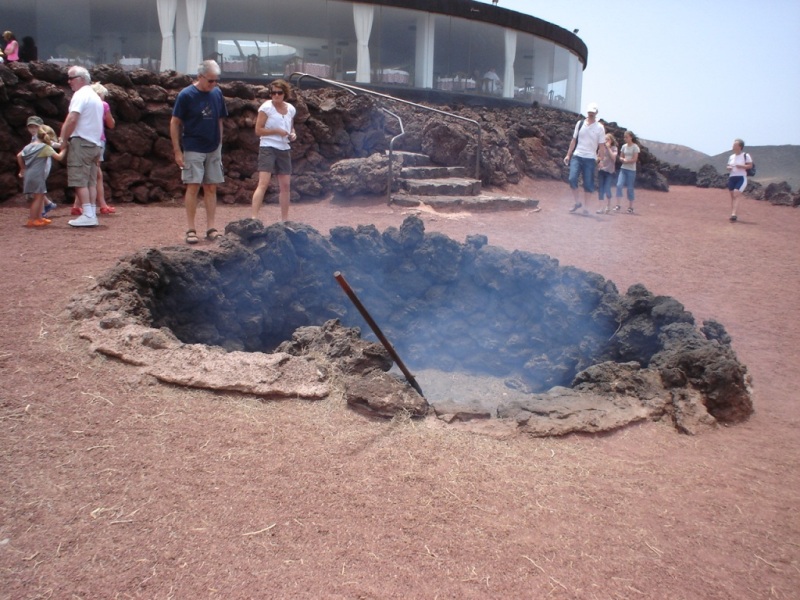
<point>34,120</point>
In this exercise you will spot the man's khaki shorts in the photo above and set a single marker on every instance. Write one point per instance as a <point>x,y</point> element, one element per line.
<point>202,167</point>
<point>82,163</point>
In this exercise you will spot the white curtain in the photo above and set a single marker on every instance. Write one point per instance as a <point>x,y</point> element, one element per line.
<point>195,15</point>
<point>166,21</point>
<point>511,56</point>
<point>362,20</point>
<point>423,66</point>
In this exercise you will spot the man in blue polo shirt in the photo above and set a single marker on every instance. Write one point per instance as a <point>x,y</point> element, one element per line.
<point>196,132</point>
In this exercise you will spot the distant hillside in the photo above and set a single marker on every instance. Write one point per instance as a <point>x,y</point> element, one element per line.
<point>676,154</point>
<point>774,163</point>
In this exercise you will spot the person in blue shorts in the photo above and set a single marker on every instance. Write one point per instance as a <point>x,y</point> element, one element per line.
<point>196,133</point>
<point>738,164</point>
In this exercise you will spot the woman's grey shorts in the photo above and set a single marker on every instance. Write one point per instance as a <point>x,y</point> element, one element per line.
<point>272,160</point>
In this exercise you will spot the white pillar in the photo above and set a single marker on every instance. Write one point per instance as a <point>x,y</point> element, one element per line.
<point>574,84</point>
<point>181,40</point>
<point>362,21</point>
<point>423,65</point>
<point>511,56</point>
<point>195,15</point>
<point>166,21</point>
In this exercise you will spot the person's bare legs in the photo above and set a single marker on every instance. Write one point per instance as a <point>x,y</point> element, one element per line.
<point>285,183</point>
<point>101,191</point>
<point>37,206</point>
<point>735,197</point>
<point>587,198</point>
<point>210,199</point>
<point>576,198</point>
<point>190,200</point>
<point>86,195</point>
<point>261,190</point>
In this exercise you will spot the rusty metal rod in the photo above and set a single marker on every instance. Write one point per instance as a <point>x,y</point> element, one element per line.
<point>377,331</point>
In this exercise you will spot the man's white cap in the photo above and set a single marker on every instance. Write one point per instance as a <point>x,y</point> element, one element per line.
<point>591,107</point>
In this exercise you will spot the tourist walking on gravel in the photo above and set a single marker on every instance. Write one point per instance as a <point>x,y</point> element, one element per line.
<point>738,165</point>
<point>33,124</point>
<point>34,162</point>
<point>82,132</point>
<point>629,155</point>
<point>607,162</point>
<point>587,141</point>
<point>196,133</point>
<point>275,127</point>
<point>110,123</point>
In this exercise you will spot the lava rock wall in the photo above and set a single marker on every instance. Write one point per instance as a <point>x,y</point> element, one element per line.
<point>331,124</point>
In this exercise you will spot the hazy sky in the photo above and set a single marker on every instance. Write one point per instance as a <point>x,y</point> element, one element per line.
<point>694,72</point>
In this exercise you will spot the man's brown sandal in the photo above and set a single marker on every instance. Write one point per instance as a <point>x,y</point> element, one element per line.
<point>191,237</point>
<point>212,234</point>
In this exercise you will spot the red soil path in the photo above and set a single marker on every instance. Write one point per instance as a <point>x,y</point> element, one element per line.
<point>115,486</point>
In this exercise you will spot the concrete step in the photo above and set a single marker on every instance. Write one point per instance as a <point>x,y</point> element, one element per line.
<point>465,203</point>
<point>432,172</point>
<point>451,186</point>
<point>411,159</point>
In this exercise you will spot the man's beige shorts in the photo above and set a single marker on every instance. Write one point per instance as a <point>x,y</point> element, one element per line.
<point>82,163</point>
<point>200,167</point>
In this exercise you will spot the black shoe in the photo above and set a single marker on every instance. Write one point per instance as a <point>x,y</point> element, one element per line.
<point>576,207</point>
<point>733,218</point>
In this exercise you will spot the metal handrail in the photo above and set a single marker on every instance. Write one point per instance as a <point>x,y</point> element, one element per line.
<point>353,89</point>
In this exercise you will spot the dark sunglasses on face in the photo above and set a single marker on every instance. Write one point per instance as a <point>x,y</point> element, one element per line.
<point>273,92</point>
<point>211,80</point>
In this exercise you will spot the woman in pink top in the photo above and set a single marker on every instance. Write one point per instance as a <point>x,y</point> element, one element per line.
<point>12,46</point>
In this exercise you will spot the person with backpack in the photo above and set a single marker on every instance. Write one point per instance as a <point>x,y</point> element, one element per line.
<point>587,140</point>
<point>740,165</point>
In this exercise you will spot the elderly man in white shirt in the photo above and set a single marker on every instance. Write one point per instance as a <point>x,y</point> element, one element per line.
<point>83,131</point>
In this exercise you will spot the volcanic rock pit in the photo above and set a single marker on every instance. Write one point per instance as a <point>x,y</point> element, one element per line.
<point>489,333</point>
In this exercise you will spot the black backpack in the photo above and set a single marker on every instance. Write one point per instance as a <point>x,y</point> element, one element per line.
<point>751,172</point>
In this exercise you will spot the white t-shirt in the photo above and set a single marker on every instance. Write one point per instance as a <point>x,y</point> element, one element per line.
<point>589,138</point>
<point>628,151</point>
<point>90,124</point>
<point>738,161</point>
<point>276,120</point>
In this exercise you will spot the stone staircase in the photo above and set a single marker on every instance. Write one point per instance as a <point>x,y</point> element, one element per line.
<point>446,188</point>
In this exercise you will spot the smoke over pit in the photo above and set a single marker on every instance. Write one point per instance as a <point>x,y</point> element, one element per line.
<point>448,306</point>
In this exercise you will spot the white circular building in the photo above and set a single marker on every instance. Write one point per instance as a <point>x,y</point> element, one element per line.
<point>458,46</point>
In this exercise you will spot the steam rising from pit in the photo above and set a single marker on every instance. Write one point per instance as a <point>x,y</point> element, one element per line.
<point>467,308</point>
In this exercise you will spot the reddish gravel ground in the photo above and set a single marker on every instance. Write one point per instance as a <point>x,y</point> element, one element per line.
<point>114,486</point>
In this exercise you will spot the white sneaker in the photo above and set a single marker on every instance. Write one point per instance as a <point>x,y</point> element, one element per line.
<point>84,221</point>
